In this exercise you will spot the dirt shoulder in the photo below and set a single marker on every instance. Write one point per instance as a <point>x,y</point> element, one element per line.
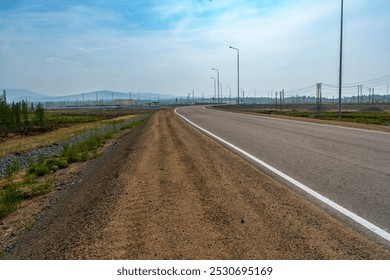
<point>168,191</point>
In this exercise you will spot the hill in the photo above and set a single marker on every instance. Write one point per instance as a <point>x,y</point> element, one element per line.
<point>16,95</point>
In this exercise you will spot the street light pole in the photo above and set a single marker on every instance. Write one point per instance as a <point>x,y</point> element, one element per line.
<point>214,87</point>
<point>341,60</point>
<point>238,75</point>
<point>217,80</point>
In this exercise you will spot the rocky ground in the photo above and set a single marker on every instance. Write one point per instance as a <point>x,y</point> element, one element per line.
<point>166,191</point>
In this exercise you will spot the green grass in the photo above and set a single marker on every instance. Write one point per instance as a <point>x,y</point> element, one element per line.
<point>379,118</point>
<point>88,148</point>
<point>134,123</point>
<point>13,193</point>
<point>12,169</point>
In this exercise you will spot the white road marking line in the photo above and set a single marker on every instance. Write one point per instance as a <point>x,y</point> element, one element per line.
<point>377,230</point>
<point>308,123</point>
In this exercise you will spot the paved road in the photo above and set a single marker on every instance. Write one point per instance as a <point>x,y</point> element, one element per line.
<point>349,166</point>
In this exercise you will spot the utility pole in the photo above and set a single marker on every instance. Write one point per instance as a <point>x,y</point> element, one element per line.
<point>341,59</point>
<point>280,101</point>
<point>369,95</point>
<point>318,97</point>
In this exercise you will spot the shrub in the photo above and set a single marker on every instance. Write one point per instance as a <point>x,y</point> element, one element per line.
<point>59,162</point>
<point>12,169</point>
<point>42,170</point>
<point>9,199</point>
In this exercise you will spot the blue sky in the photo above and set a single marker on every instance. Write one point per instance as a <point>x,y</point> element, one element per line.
<point>65,47</point>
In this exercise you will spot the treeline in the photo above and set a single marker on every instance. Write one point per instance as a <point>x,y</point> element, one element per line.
<point>19,115</point>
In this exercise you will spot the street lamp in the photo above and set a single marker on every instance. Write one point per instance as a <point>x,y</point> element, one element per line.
<point>341,59</point>
<point>238,75</point>
<point>214,87</point>
<point>217,80</point>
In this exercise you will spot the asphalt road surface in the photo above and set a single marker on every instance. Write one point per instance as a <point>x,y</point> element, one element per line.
<point>351,167</point>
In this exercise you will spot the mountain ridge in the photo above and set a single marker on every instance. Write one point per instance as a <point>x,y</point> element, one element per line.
<point>16,95</point>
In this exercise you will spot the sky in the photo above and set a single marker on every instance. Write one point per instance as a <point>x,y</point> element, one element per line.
<point>171,46</point>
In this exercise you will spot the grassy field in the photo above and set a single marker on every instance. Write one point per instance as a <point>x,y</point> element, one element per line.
<point>64,124</point>
<point>379,118</point>
<point>372,114</point>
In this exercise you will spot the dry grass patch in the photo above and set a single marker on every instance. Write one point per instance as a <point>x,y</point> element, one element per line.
<point>20,145</point>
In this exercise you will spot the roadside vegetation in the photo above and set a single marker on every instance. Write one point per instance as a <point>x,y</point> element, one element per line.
<point>59,126</point>
<point>25,119</point>
<point>379,118</point>
<point>34,181</point>
<point>19,117</point>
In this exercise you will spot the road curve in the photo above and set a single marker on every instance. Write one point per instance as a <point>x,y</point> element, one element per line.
<point>351,167</point>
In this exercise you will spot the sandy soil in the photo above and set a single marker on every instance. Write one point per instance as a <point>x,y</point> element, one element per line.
<point>166,191</point>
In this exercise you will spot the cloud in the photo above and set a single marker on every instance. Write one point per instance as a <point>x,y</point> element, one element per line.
<point>62,61</point>
<point>171,46</point>
<point>89,49</point>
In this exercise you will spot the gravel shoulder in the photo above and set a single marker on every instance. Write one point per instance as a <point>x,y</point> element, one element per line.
<point>167,191</point>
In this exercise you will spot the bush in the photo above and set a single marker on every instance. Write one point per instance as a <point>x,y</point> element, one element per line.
<point>71,153</point>
<point>59,162</point>
<point>42,170</point>
<point>9,199</point>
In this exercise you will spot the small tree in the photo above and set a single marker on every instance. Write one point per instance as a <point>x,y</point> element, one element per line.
<point>39,115</point>
<point>16,112</point>
<point>3,108</point>
<point>25,113</point>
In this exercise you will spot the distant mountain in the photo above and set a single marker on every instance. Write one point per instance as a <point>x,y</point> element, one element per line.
<point>21,94</point>
<point>16,95</point>
<point>109,95</point>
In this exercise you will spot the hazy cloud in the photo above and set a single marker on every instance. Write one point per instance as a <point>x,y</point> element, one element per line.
<point>171,46</point>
